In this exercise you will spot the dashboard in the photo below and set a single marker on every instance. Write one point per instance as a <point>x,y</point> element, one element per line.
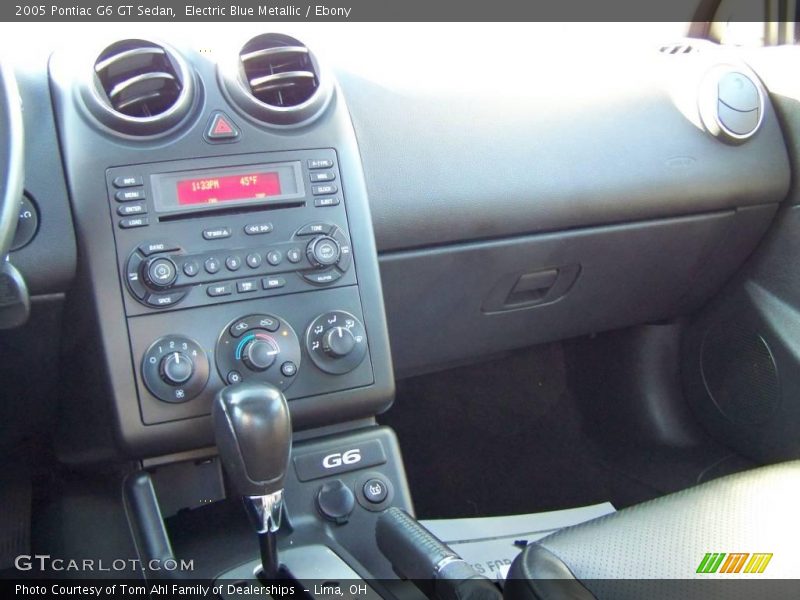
<point>255,212</point>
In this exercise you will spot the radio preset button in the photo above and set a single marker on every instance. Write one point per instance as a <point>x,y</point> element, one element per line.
<point>272,283</point>
<point>156,247</point>
<point>253,260</point>
<point>324,189</point>
<point>274,257</point>
<point>191,268</point>
<point>322,202</point>
<point>130,195</point>
<point>314,229</point>
<point>321,176</point>
<point>132,209</point>
<point>131,222</point>
<point>220,289</point>
<point>295,255</point>
<point>124,181</point>
<point>233,262</point>
<point>320,163</point>
<point>217,233</point>
<point>249,285</point>
<point>212,265</point>
<point>257,228</point>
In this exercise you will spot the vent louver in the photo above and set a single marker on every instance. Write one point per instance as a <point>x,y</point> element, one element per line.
<point>141,88</point>
<point>279,80</point>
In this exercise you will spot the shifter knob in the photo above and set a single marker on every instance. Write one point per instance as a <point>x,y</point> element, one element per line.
<point>253,430</point>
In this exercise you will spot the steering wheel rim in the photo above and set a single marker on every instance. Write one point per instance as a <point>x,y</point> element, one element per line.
<point>12,157</point>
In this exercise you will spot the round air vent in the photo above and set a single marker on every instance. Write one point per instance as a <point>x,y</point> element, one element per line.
<point>140,87</point>
<point>276,79</point>
<point>731,104</point>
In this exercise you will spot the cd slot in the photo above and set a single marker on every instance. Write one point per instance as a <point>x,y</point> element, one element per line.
<point>230,210</point>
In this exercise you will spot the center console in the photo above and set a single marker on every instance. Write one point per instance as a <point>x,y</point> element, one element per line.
<point>226,239</point>
<point>225,243</point>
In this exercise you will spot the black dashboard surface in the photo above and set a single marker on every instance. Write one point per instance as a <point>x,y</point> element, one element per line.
<point>515,199</point>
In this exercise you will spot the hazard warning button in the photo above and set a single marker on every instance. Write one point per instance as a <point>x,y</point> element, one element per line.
<point>221,128</point>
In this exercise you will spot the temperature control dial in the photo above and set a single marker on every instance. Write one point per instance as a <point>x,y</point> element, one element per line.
<point>175,368</point>
<point>260,348</point>
<point>336,342</point>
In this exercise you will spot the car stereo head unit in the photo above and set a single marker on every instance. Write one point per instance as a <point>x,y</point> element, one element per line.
<point>210,189</point>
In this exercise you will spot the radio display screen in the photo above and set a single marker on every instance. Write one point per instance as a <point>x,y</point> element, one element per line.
<point>248,186</point>
<point>214,189</point>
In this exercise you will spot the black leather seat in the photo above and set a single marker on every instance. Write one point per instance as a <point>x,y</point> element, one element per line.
<point>654,550</point>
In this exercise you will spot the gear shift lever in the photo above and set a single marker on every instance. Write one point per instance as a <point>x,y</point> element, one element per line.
<point>253,430</point>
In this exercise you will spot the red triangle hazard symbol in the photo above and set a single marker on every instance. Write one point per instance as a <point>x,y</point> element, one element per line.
<point>221,126</point>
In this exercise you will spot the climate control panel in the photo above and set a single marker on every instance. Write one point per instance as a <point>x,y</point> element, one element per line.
<point>261,348</point>
<point>306,344</point>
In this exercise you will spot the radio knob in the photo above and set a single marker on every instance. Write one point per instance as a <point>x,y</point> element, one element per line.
<point>159,272</point>
<point>323,251</point>
<point>176,368</point>
<point>338,342</point>
<point>258,355</point>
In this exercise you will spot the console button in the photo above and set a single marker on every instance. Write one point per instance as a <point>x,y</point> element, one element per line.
<point>220,289</point>
<point>314,229</point>
<point>289,369</point>
<point>324,189</point>
<point>191,268</point>
<point>321,176</point>
<point>323,251</point>
<point>130,195</point>
<point>323,277</point>
<point>155,247</point>
<point>274,257</point>
<point>335,501</point>
<point>132,209</point>
<point>272,283</point>
<point>234,377</point>
<point>131,222</point>
<point>320,163</point>
<point>257,228</point>
<point>239,327</point>
<point>345,251</point>
<point>233,262</point>
<point>217,233</point>
<point>253,260</point>
<point>321,202</point>
<point>295,255</point>
<point>134,282</point>
<point>375,490</point>
<point>269,323</point>
<point>161,272</point>
<point>212,265</point>
<point>165,299</point>
<point>124,181</point>
<point>220,128</point>
<point>248,285</point>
